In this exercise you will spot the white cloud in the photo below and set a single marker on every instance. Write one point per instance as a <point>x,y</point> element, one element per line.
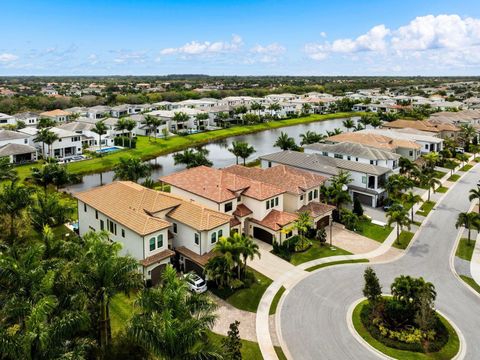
<point>7,58</point>
<point>130,56</point>
<point>206,47</point>
<point>271,49</point>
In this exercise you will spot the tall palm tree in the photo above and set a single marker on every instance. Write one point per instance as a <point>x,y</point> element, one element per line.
<point>131,169</point>
<point>7,171</point>
<point>412,199</point>
<point>148,122</point>
<point>285,142</point>
<point>375,122</point>
<point>172,323</point>
<point>104,273</point>
<point>241,149</point>
<point>431,182</point>
<point>406,165</point>
<point>48,210</point>
<point>348,124</point>
<point>432,159</point>
<point>311,137</point>
<point>121,126</point>
<point>50,138</point>
<point>475,194</point>
<point>100,129</point>
<point>180,117</point>
<point>467,132</point>
<point>231,249</point>
<point>192,158</point>
<point>45,122</point>
<point>42,134</point>
<point>399,217</point>
<point>129,126</point>
<point>249,249</point>
<point>302,224</point>
<point>14,199</point>
<point>468,221</point>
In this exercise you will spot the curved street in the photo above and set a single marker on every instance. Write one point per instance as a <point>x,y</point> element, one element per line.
<point>313,315</point>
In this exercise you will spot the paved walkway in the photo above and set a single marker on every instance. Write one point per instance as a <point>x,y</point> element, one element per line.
<point>269,264</point>
<point>475,262</point>
<point>351,241</point>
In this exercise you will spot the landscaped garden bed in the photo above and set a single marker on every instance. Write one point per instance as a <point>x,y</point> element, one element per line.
<point>466,167</point>
<point>426,207</point>
<point>453,178</point>
<point>373,231</point>
<point>403,240</point>
<point>465,249</point>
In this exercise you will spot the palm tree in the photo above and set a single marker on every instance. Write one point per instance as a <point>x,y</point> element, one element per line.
<point>48,210</point>
<point>52,173</point>
<point>7,171</point>
<point>375,122</point>
<point>46,123</point>
<point>406,165</point>
<point>431,182</point>
<point>173,323</point>
<point>100,129</point>
<point>42,134</point>
<point>311,137</point>
<point>399,217</point>
<point>302,224</point>
<point>148,122</point>
<point>14,199</point>
<point>249,249</point>
<point>334,132</point>
<point>475,194</point>
<point>306,108</point>
<point>222,117</point>
<point>131,169</point>
<point>412,199</point>
<point>285,142</point>
<point>192,158</point>
<point>230,248</point>
<point>180,117</point>
<point>104,274</point>
<point>467,132</point>
<point>348,124</point>
<point>129,126</point>
<point>432,159</point>
<point>468,221</point>
<point>121,126</point>
<point>241,149</point>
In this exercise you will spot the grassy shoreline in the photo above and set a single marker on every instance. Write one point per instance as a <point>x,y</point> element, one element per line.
<point>150,149</point>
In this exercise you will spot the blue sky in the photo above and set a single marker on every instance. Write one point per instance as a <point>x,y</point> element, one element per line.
<point>146,37</point>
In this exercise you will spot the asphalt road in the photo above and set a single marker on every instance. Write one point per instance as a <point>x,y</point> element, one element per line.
<point>313,315</point>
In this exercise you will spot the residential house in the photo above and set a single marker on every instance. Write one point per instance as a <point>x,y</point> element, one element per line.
<point>443,130</point>
<point>57,115</point>
<point>68,144</point>
<point>98,112</point>
<point>28,118</point>
<point>17,147</point>
<point>152,226</point>
<point>7,119</point>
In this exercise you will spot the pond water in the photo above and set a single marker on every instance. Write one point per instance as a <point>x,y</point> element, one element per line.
<point>219,155</point>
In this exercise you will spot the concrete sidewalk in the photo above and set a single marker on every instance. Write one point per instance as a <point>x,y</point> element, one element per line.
<point>475,262</point>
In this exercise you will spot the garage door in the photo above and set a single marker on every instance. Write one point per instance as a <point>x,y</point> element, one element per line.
<point>261,234</point>
<point>364,199</point>
<point>156,274</point>
<point>191,266</point>
<point>323,222</point>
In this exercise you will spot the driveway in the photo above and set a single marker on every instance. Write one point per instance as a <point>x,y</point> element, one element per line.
<point>269,264</point>
<point>313,316</point>
<point>351,241</point>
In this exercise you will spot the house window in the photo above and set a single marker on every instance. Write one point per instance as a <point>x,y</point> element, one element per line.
<point>112,227</point>
<point>228,207</point>
<point>289,234</point>
<point>371,162</point>
<point>25,141</point>
<point>426,146</point>
<point>214,238</point>
<point>123,233</point>
<point>175,228</point>
<point>84,207</point>
<point>102,225</point>
<point>160,241</point>
<point>410,153</point>
<point>315,193</point>
<point>356,159</point>
<point>152,244</point>
<point>272,203</point>
<point>338,156</point>
<point>324,153</point>
<point>96,214</point>
<point>220,233</point>
<point>276,201</point>
<point>197,239</point>
<point>269,164</point>
<point>310,196</point>
<point>268,205</point>
<point>301,197</point>
<point>364,179</point>
<point>239,199</point>
<point>349,157</point>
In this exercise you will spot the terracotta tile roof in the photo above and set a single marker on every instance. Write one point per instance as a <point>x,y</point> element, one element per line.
<point>198,259</point>
<point>276,220</point>
<point>285,177</point>
<point>234,222</point>
<point>56,112</point>
<point>420,125</point>
<point>374,140</point>
<point>157,257</point>
<point>242,211</point>
<point>218,185</point>
<point>316,209</point>
<point>135,206</point>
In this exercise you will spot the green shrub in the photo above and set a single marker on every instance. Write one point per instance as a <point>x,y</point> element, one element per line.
<point>125,141</point>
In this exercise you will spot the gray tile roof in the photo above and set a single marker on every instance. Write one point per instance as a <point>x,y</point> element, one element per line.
<point>11,135</point>
<point>16,149</point>
<point>322,164</point>
<point>355,150</point>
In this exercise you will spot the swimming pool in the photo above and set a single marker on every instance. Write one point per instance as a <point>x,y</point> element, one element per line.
<point>107,150</point>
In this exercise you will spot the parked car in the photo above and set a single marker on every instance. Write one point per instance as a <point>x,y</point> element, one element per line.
<point>196,283</point>
<point>459,150</point>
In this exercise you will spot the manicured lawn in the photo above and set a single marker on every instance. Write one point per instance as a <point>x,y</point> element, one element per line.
<point>450,166</point>
<point>471,283</point>
<point>250,350</point>
<point>316,252</point>
<point>426,207</point>
<point>121,310</point>
<point>403,240</point>
<point>454,177</point>
<point>247,298</point>
<point>316,267</point>
<point>466,167</point>
<point>149,149</point>
<point>465,251</point>
<point>447,352</point>
<point>279,352</point>
<point>441,189</point>
<point>276,299</point>
<point>373,231</point>
<point>438,174</point>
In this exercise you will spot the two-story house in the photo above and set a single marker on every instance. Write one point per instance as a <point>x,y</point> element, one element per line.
<point>68,143</point>
<point>368,181</point>
<point>17,147</point>
<point>152,225</point>
<point>57,115</point>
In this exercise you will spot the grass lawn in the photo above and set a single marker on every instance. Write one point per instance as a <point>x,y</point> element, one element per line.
<point>465,251</point>
<point>471,283</point>
<point>447,352</point>
<point>426,207</point>
<point>247,298</point>
<point>121,310</point>
<point>149,149</point>
<point>438,174</point>
<point>373,231</point>
<point>450,166</point>
<point>316,251</point>
<point>403,240</point>
<point>454,177</point>
<point>276,299</point>
<point>316,267</point>
<point>466,167</point>
<point>441,189</point>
